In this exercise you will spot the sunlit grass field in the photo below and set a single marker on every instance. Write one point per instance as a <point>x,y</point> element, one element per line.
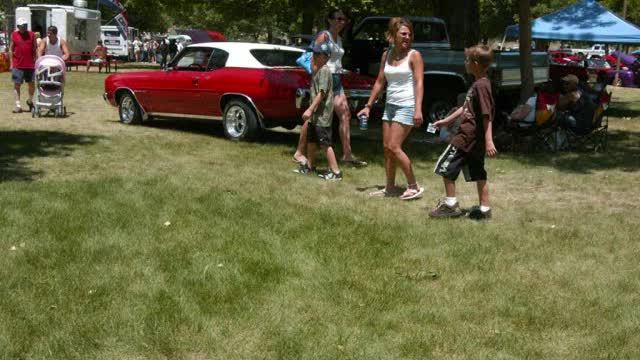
<point>167,241</point>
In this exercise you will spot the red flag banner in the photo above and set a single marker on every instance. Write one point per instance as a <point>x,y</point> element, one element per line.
<point>114,5</point>
<point>122,24</point>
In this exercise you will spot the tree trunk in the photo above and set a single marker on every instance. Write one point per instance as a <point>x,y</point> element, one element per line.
<point>308,12</point>
<point>526,69</point>
<point>10,12</point>
<point>463,21</point>
<point>616,78</point>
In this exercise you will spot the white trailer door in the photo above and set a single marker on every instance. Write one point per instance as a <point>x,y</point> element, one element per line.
<point>59,20</point>
<point>24,12</point>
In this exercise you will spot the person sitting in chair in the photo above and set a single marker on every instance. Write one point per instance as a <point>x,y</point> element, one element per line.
<point>99,56</point>
<point>569,94</point>
<point>576,108</point>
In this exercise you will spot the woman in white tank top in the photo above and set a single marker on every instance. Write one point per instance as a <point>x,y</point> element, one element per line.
<point>402,69</point>
<point>336,21</point>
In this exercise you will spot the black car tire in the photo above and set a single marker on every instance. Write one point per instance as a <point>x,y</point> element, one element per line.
<point>240,122</point>
<point>438,109</point>
<point>129,110</point>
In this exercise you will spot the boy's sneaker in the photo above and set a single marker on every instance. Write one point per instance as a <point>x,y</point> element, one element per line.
<point>442,210</point>
<point>331,176</point>
<point>476,214</point>
<point>303,169</point>
<point>17,109</point>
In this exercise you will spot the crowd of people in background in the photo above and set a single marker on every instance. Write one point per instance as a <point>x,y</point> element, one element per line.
<point>155,50</point>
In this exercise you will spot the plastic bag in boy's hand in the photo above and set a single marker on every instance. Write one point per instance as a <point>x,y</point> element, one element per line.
<point>305,61</point>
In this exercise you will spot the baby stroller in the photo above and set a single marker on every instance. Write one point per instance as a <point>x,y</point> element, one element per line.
<point>49,74</point>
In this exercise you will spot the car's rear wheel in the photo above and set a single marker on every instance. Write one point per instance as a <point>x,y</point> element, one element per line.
<point>129,110</point>
<point>240,121</point>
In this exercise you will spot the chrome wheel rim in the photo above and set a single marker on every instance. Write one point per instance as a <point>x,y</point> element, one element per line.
<point>127,109</point>
<point>235,121</point>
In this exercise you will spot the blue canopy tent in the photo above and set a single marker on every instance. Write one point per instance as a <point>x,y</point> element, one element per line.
<point>583,21</point>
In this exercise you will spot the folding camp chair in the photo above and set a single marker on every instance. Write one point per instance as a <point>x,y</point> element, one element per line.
<point>592,123</point>
<point>543,134</point>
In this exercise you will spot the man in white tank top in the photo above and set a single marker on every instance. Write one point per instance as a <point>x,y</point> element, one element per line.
<point>53,45</point>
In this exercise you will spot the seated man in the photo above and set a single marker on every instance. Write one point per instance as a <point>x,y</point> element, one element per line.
<point>576,108</point>
<point>570,93</point>
<point>99,56</point>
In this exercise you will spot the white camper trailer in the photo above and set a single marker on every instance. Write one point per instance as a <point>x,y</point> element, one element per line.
<point>79,26</point>
<point>115,43</point>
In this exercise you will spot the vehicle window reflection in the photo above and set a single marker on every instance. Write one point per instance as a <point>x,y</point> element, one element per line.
<point>218,59</point>
<point>195,59</point>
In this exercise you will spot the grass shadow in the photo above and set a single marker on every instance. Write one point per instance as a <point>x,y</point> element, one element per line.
<point>620,111</point>
<point>623,153</point>
<point>18,146</point>
<point>193,126</point>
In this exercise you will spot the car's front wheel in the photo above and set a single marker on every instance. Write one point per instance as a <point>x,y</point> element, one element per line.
<point>240,121</point>
<point>129,110</point>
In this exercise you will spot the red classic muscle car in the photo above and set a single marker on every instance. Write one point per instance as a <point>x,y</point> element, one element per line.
<point>247,86</point>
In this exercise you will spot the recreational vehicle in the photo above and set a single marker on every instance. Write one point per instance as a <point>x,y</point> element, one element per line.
<point>115,43</point>
<point>79,26</point>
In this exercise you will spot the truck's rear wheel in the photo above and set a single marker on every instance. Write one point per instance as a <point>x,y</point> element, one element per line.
<point>439,108</point>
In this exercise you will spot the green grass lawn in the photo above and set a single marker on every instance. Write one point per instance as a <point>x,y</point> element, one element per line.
<point>167,241</point>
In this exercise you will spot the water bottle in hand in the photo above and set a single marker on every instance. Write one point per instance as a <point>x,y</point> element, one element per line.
<point>364,122</point>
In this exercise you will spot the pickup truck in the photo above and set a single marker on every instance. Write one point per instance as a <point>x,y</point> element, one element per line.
<point>444,72</point>
<point>598,50</point>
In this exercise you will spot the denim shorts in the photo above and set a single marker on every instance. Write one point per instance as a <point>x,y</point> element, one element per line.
<point>337,85</point>
<point>398,113</point>
<point>19,76</point>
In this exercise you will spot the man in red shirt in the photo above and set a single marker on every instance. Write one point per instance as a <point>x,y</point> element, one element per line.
<point>23,56</point>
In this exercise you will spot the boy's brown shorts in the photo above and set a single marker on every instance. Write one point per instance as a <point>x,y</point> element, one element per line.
<point>453,160</point>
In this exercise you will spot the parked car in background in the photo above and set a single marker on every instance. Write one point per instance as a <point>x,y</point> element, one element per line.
<point>597,69</point>
<point>247,86</point>
<point>560,57</point>
<point>629,75</point>
<point>185,40</point>
<point>300,41</point>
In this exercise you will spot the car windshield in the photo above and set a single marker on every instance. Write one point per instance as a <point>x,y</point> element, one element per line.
<point>276,57</point>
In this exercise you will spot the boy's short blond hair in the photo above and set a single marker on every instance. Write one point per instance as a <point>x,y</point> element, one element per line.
<point>482,54</point>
